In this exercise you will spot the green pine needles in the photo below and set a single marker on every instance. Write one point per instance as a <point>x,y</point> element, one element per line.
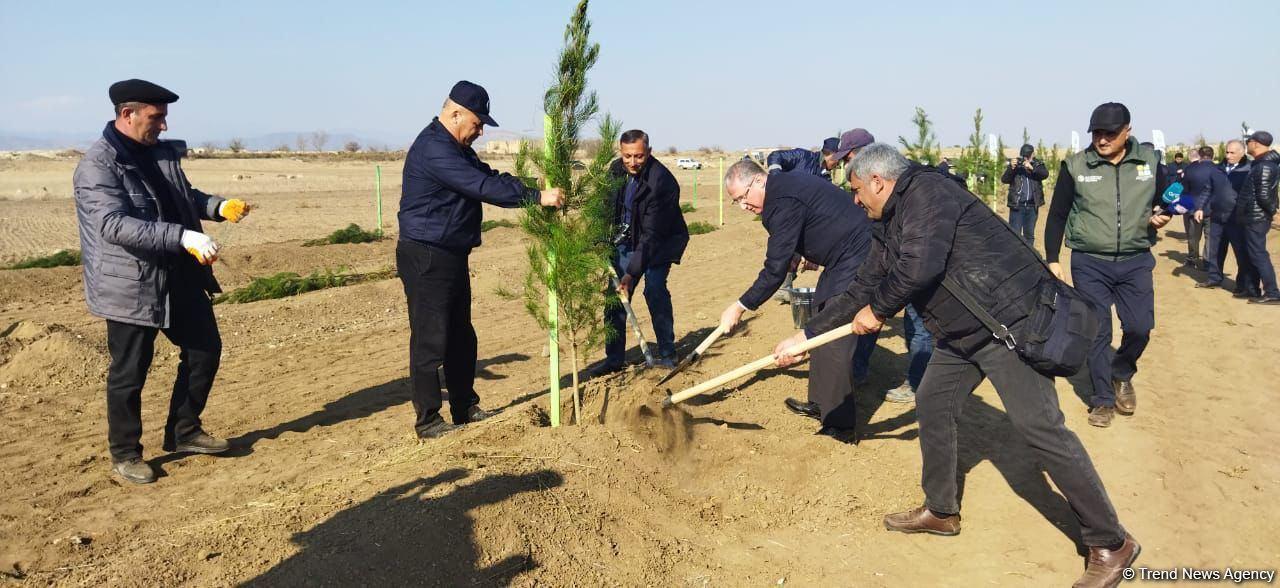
<point>570,249</point>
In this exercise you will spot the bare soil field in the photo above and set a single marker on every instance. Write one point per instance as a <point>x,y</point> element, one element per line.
<point>326,484</point>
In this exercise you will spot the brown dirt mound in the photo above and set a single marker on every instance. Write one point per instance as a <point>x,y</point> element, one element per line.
<point>35,355</point>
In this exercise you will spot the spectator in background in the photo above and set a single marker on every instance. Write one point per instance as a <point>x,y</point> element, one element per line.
<point>1025,176</point>
<point>1191,222</point>
<point>1236,165</point>
<point>1179,165</point>
<point>1255,207</point>
<point>1215,201</point>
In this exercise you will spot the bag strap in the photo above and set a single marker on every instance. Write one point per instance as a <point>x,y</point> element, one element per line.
<point>998,330</point>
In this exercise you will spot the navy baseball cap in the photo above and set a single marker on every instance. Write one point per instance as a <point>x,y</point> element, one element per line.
<point>1111,117</point>
<point>474,98</point>
<point>850,140</point>
<point>1262,137</point>
<point>830,144</point>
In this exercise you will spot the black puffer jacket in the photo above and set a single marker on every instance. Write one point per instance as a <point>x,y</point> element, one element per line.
<point>1257,200</point>
<point>932,228</point>
<point>1025,186</point>
<point>658,233</point>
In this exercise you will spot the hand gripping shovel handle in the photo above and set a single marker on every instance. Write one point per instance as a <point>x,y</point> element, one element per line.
<point>692,357</point>
<point>631,318</point>
<point>757,365</point>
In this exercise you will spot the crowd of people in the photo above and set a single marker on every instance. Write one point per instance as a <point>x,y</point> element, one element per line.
<point>904,238</point>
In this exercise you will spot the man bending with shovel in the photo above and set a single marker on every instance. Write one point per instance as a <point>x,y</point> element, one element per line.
<point>933,238</point>
<point>806,215</point>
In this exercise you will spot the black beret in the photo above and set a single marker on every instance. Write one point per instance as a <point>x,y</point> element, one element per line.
<point>136,90</point>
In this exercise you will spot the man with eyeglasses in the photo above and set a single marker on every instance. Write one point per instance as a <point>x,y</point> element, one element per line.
<point>809,216</point>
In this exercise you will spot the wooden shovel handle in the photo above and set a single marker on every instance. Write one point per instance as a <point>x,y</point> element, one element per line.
<point>758,365</point>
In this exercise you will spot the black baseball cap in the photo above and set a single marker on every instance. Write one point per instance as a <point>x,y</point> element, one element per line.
<point>135,90</point>
<point>474,98</point>
<point>1262,137</point>
<point>830,144</point>
<point>1112,116</point>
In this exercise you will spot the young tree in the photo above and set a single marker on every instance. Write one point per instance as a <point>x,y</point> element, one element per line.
<point>570,250</point>
<point>236,145</point>
<point>301,142</point>
<point>975,161</point>
<point>925,148</point>
<point>351,147</point>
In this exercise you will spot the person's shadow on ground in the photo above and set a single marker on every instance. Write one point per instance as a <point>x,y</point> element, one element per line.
<point>356,405</point>
<point>404,536</point>
<point>986,434</point>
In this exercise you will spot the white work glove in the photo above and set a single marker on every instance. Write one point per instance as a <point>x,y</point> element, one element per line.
<point>200,246</point>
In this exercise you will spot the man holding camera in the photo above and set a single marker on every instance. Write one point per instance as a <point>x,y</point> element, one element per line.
<point>1025,176</point>
<point>651,235</point>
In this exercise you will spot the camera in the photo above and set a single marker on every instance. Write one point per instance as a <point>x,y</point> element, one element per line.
<point>624,233</point>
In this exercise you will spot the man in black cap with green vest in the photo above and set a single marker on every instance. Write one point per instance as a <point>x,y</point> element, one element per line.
<point>444,185</point>
<point>146,270</point>
<point>1108,202</point>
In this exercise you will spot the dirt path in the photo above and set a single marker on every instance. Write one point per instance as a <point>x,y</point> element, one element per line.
<point>327,485</point>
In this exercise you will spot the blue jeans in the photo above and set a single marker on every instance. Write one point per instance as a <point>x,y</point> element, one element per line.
<point>919,349</point>
<point>657,297</point>
<point>1023,221</point>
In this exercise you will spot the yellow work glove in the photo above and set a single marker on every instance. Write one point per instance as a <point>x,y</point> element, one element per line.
<point>234,209</point>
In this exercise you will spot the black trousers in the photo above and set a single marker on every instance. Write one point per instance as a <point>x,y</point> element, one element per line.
<point>1216,245</point>
<point>1247,280</point>
<point>1262,275</point>
<point>437,285</point>
<point>193,329</point>
<point>1031,402</point>
<point>831,382</point>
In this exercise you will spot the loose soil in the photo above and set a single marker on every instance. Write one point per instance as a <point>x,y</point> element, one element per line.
<point>326,484</point>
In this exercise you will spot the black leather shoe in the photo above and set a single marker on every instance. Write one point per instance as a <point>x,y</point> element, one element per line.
<point>1208,284</point>
<point>1265,300</point>
<point>434,429</point>
<point>840,434</point>
<point>604,369</point>
<point>1245,294</point>
<point>802,408</point>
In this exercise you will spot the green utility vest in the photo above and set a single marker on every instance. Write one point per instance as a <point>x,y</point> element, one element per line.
<point>1112,210</point>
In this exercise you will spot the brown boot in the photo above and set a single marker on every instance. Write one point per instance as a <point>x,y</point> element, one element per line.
<point>1126,397</point>
<point>921,520</point>
<point>1105,567</point>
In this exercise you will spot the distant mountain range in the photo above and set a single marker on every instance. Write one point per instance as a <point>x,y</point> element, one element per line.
<point>334,142</point>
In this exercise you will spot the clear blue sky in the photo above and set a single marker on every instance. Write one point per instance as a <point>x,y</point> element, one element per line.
<point>728,73</point>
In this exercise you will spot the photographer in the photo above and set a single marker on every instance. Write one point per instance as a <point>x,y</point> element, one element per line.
<point>650,235</point>
<point>1025,176</point>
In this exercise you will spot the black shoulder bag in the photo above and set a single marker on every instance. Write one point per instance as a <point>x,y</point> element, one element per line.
<point>1056,337</point>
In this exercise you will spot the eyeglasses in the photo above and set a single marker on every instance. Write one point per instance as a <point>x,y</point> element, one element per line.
<point>739,199</point>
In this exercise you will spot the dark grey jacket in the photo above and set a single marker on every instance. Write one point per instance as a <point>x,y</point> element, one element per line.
<point>125,247</point>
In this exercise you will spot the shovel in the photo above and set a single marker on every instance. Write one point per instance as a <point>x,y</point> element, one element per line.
<point>757,365</point>
<point>692,357</point>
<point>635,324</point>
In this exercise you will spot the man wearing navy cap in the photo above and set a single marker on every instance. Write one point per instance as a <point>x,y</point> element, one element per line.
<point>444,185</point>
<point>1255,209</point>
<point>146,269</point>
<point>1107,202</point>
<point>818,163</point>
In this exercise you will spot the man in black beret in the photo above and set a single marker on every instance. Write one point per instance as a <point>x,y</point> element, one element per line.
<point>444,185</point>
<point>146,270</point>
